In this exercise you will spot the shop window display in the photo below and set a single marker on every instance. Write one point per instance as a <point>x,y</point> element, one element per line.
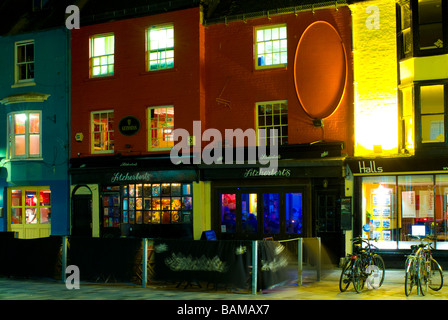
<point>159,203</point>
<point>395,207</point>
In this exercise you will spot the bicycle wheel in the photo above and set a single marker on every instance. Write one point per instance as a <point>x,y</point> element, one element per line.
<point>410,275</point>
<point>358,276</point>
<point>436,276</point>
<point>346,275</point>
<point>379,262</point>
<point>423,276</point>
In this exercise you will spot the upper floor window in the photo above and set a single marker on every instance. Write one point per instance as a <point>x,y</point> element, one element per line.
<point>102,131</point>
<point>270,47</point>
<point>161,125</point>
<point>423,28</point>
<point>432,113</point>
<point>273,115</point>
<point>160,47</point>
<point>24,61</point>
<point>102,50</point>
<point>24,135</point>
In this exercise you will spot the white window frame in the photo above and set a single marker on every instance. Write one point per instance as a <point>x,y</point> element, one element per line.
<point>107,131</point>
<point>17,64</point>
<point>106,60</point>
<point>150,137</point>
<point>12,136</point>
<point>161,52</point>
<point>273,125</point>
<point>269,45</point>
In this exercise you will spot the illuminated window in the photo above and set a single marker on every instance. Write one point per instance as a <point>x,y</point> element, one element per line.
<point>271,47</point>
<point>30,205</point>
<point>24,61</point>
<point>432,114</point>
<point>102,55</point>
<point>407,119</point>
<point>160,47</point>
<point>161,125</point>
<point>102,131</point>
<point>273,115</point>
<point>24,135</point>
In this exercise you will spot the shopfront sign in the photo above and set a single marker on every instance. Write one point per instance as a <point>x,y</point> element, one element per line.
<point>129,126</point>
<point>266,172</point>
<point>369,167</point>
<point>396,165</point>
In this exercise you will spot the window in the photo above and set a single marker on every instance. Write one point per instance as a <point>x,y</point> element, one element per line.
<point>25,61</point>
<point>30,205</point>
<point>430,24</point>
<point>102,55</point>
<point>407,119</point>
<point>145,203</point>
<point>394,207</point>
<point>24,135</point>
<point>432,113</point>
<point>102,131</point>
<point>161,125</point>
<point>273,115</point>
<point>160,47</point>
<point>270,47</point>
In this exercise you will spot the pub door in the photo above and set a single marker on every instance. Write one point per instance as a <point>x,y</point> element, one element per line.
<point>82,215</point>
<point>327,224</point>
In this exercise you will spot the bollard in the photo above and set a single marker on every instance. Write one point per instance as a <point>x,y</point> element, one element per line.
<point>254,266</point>
<point>300,261</point>
<point>64,257</point>
<point>144,262</point>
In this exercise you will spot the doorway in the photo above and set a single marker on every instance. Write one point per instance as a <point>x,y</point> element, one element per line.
<point>82,212</point>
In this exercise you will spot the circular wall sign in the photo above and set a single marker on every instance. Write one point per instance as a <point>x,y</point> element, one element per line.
<point>128,126</point>
<point>320,70</point>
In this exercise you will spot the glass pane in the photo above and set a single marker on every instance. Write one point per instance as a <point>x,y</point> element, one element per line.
<point>19,145</point>
<point>34,144</point>
<point>34,123</point>
<point>30,198</point>
<point>31,215</point>
<point>16,198</point>
<point>271,213</point>
<point>45,197</point>
<point>45,215</point>
<point>433,128</point>
<point>228,213</point>
<point>293,207</point>
<point>441,224</point>
<point>19,123</point>
<point>432,99</point>
<point>16,215</point>
<point>249,212</point>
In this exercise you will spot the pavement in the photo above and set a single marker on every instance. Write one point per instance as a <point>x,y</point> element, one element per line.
<point>311,289</point>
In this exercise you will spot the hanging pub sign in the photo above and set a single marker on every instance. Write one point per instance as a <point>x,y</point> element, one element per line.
<point>129,126</point>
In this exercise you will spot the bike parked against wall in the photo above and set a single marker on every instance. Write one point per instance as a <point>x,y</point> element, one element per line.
<point>363,266</point>
<point>421,269</point>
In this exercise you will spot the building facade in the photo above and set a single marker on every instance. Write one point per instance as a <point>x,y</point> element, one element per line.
<point>34,100</point>
<point>399,167</point>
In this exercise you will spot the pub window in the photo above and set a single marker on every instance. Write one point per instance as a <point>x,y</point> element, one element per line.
<point>24,135</point>
<point>160,47</point>
<point>102,131</point>
<point>271,47</point>
<point>25,61</point>
<point>30,205</point>
<point>161,125</point>
<point>272,115</point>
<point>432,113</point>
<point>102,48</point>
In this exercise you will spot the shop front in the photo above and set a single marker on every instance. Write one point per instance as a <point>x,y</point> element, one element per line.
<point>398,199</point>
<point>301,198</point>
<point>133,197</point>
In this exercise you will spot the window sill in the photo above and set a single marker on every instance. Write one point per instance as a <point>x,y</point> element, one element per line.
<point>151,72</point>
<point>23,84</point>
<point>23,159</point>
<point>100,78</point>
<point>273,68</point>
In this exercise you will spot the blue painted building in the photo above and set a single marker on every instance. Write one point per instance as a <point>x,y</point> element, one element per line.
<point>34,118</point>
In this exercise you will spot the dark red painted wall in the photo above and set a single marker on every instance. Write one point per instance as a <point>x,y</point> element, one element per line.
<point>231,75</point>
<point>131,90</point>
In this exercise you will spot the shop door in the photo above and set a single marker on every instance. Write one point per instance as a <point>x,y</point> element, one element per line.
<point>327,224</point>
<point>82,215</point>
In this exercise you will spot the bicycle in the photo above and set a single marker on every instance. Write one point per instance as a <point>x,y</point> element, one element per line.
<point>421,269</point>
<point>364,265</point>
